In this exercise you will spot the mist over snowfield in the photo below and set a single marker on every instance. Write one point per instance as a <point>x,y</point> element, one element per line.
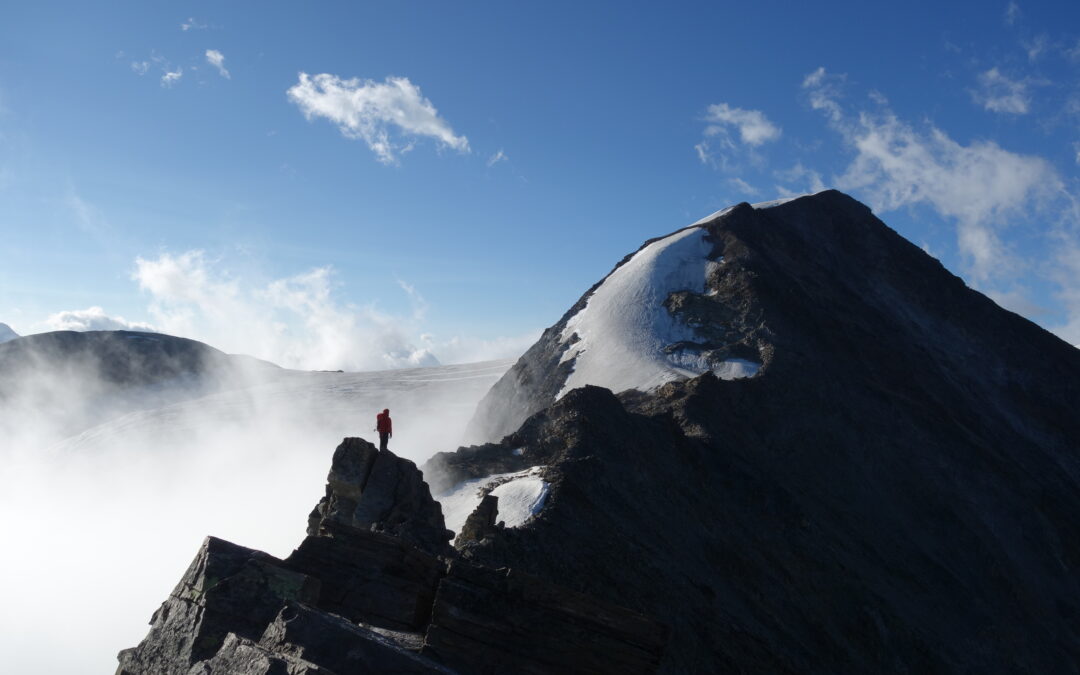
<point>98,524</point>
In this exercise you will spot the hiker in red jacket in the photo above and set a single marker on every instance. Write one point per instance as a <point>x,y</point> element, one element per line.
<point>385,426</point>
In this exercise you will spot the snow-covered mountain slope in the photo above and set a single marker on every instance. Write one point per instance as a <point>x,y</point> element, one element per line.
<point>6,334</point>
<point>657,317</point>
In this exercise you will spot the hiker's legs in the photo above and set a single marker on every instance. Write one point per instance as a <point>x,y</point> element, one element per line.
<point>382,442</point>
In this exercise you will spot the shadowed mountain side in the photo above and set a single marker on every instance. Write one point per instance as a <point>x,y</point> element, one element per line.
<point>898,489</point>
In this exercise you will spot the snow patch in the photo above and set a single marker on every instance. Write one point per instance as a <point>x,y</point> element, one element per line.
<point>733,369</point>
<point>521,499</point>
<point>625,318</point>
<point>524,491</point>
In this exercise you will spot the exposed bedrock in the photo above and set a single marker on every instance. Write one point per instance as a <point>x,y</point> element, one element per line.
<point>374,588</point>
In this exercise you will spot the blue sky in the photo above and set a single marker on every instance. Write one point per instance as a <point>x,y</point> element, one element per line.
<point>365,184</point>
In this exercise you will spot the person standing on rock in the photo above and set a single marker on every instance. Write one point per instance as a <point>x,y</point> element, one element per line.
<point>385,427</point>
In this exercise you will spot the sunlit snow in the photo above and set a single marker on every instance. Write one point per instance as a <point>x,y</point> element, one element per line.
<point>521,496</point>
<point>623,329</point>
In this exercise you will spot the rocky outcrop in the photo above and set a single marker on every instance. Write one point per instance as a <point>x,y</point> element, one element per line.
<point>362,592</point>
<point>227,589</point>
<point>380,492</point>
<point>480,522</point>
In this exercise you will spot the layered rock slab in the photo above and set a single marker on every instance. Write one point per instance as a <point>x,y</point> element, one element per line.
<point>360,592</point>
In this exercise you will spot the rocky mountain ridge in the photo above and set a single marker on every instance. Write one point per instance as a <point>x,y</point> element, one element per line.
<point>375,587</point>
<point>896,488</point>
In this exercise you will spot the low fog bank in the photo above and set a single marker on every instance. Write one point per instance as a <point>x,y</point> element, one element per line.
<point>100,524</point>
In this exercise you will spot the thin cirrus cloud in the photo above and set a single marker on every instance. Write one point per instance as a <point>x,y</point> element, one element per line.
<point>389,116</point>
<point>217,60</point>
<point>998,93</point>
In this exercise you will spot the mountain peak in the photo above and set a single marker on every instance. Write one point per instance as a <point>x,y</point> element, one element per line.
<point>6,333</point>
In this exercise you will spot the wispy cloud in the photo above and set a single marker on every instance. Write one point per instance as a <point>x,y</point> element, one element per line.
<point>1012,14</point>
<point>92,318</point>
<point>217,60</point>
<point>389,116</point>
<point>140,67</point>
<point>731,133</point>
<point>753,126</point>
<point>998,93</point>
<point>499,156</point>
<point>743,187</point>
<point>980,186</point>
<point>171,77</point>
<point>192,24</point>
<point>798,180</point>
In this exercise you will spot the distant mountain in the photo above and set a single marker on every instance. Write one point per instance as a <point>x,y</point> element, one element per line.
<point>781,440</point>
<point>6,333</point>
<point>75,379</point>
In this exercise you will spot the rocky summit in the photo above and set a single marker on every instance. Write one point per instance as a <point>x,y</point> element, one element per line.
<point>781,440</point>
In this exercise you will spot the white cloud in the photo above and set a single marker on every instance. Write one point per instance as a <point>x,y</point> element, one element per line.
<point>824,90</point>
<point>980,186</point>
<point>375,112</point>
<point>753,127</point>
<point>998,93</point>
<point>1012,13</point>
<point>140,67</point>
<point>92,318</point>
<point>192,24</point>
<point>733,134</point>
<point>217,60</point>
<point>499,156</point>
<point>171,77</point>
<point>805,181</point>
<point>297,322</point>
<point>743,187</point>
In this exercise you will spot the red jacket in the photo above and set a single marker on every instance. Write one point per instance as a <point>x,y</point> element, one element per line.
<point>383,424</point>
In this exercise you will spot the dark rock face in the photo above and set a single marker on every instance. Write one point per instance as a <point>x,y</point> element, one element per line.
<point>227,589</point>
<point>540,627</point>
<point>480,522</point>
<point>897,490</point>
<point>370,577</point>
<point>361,591</point>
